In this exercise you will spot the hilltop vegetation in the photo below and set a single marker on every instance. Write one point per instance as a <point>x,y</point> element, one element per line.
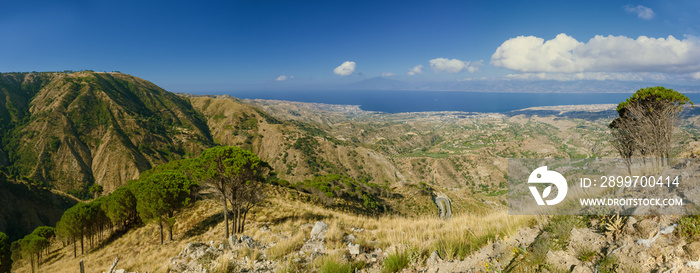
<point>70,131</point>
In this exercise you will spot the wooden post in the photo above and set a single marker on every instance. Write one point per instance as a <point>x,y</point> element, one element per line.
<point>114,265</point>
<point>82,266</point>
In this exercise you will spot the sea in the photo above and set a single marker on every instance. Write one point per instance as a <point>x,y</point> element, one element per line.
<point>395,101</point>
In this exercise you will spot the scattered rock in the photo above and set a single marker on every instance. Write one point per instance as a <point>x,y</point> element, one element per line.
<point>646,228</point>
<point>434,258</point>
<point>121,271</point>
<point>354,249</point>
<point>232,241</point>
<point>319,230</point>
<point>195,257</point>
<point>249,242</point>
<point>244,241</point>
<point>667,229</point>
<point>647,242</point>
<point>694,265</point>
<point>663,231</point>
<point>313,245</point>
<point>317,237</point>
<point>629,225</point>
<point>693,250</point>
<point>316,254</point>
<point>353,229</point>
<point>350,238</point>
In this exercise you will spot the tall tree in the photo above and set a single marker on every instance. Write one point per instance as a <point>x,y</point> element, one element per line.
<point>235,174</point>
<point>623,141</point>
<point>647,121</point>
<point>71,226</point>
<point>31,246</point>
<point>45,232</point>
<point>120,207</point>
<point>159,195</point>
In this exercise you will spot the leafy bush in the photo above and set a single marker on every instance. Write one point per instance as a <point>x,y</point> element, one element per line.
<point>689,227</point>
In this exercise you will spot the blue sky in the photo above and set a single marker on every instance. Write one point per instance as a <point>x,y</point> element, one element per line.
<point>199,46</point>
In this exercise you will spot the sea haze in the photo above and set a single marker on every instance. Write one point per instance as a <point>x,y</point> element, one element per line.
<point>394,101</point>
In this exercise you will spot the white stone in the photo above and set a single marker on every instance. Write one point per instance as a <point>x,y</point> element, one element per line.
<point>354,249</point>
<point>319,230</point>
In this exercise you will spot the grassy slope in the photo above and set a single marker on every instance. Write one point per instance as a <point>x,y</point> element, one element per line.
<point>287,221</point>
<point>296,150</point>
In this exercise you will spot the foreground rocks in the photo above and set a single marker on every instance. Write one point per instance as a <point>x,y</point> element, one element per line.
<point>243,254</point>
<point>648,244</point>
<point>196,257</point>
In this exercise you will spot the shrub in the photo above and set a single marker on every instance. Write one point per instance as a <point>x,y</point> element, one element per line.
<point>585,253</point>
<point>460,245</point>
<point>560,229</point>
<point>396,262</point>
<point>689,227</point>
<point>608,264</point>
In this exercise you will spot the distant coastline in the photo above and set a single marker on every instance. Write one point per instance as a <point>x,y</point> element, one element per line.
<point>393,101</point>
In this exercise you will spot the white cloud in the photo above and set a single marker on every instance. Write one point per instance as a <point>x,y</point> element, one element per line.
<point>418,69</point>
<point>473,79</point>
<point>388,74</point>
<point>597,76</point>
<point>641,11</point>
<point>565,54</point>
<point>284,78</point>
<point>345,69</point>
<point>454,65</point>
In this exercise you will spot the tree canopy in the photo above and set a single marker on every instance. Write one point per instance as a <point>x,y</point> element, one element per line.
<point>160,194</point>
<point>120,208</point>
<point>646,122</point>
<point>236,174</point>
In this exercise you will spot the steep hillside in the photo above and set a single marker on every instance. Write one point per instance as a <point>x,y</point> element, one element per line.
<point>25,207</point>
<point>70,130</point>
<point>296,150</point>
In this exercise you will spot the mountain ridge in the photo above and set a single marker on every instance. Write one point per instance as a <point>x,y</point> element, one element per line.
<point>65,128</point>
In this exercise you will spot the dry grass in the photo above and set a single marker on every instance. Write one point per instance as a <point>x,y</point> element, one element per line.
<point>424,234</point>
<point>138,250</point>
<point>289,223</point>
<point>286,246</point>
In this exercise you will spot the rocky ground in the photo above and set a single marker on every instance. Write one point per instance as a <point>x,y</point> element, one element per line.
<point>624,244</point>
